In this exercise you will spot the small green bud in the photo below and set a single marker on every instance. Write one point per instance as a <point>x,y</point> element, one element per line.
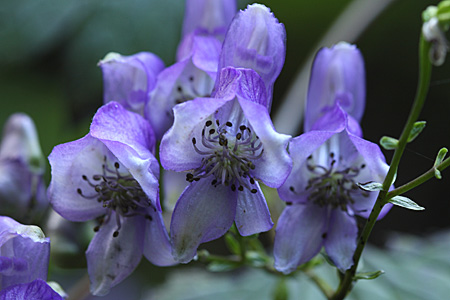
<point>428,13</point>
<point>443,14</point>
<point>388,143</point>
<point>439,158</point>
<point>416,130</point>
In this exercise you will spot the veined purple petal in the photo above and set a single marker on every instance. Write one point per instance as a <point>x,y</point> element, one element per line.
<point>177,152</point>
<point>24,253</point>
<point>131,139</point>
<point>251,87</point>
<point>69,163</point>
<point>111,259</point>
<point>337,76</point>
<point>129,79</point>
<point>157,247</point>
<point>255,40</point>
<point>203,213</point>
<point>37,289</point>
<point>211,16</point>
<point>252,213</point>
<point>299,235</point>
<point>275,164</point>
<point>340,241</point>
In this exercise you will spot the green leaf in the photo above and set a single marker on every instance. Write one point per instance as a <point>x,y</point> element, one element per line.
<point>281,291</point>
<point>416,130</point>
<point>232,244</point>
<point>368,275</point>
<point>223,266</point>
<point>439,158</point>
<point>370,186</point>
<point>443,13</point>
<point>388,143</point>
<point>405,203</point>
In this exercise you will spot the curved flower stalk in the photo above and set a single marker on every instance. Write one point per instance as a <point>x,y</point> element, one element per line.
<point>129,80</point>
<point>111,175</point>
<point>37,289</point>
<point>337,76</point>
<point>226,143</point>
<point>22,188</point>
<point>24,253</point>
<point>194,73</point>
<point>255,40</point>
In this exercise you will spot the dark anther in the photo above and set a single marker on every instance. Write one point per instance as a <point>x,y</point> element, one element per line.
<point>233,187</point>
<point>116,234</point>
<point>238,136</point>
<point>291,188</point>
<point>242,127</point>
<point>363,166</point>
<point>79,191</point>
<point>254,191</point>
<point>191,78</point>
<point>194,141</point>
<point>332,154</point>
<point>241,188</point>
<point>148,217</point>
<point>96,228</point>
<point>208,123</point>
<point>324,235</point>
<point>179,89</point>
<point>189,177</point>
<point>84,177</point>
<point>229,124</point>
<point>252,181</point>
<point>217,122</point>
<point>211,131</point>
<point>214,182</point>
<point>116,165</point>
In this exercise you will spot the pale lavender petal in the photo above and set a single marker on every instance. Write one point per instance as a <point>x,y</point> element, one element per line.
<point>177,151</point>
<point>340,241</point>
<point>337,76</point>
<point>111,259</point>
<point>334,119</point>
<point>252,213</point>
<point>205,54</point>
<point>251,87</point>
<point>203,213</point>
<point>69,163</point>
<point>157,247</point>
<point>211,16</point>
<point>299,235</point>
<point>131,139</point>
<point>129,79</point>
<point>275,163</point>
<point>255,40</point>
<point>37,289</point>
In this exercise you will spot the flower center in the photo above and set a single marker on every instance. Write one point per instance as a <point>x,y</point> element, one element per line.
<point>228,157</point>
<point>118,192</point>
<point>331,186</point>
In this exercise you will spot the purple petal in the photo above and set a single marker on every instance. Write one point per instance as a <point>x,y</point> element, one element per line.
<point>337,76</point>
<point>206,51</point>
<point>129,79</point>
<point>252,213</point>
<point>69,163</point>
<point>111,259</point>
<point>24,253</point>
<point>130,138</point>
<point>37,289</point>
<point>177,152</point>
<point>212,16</point>
<point>203,213</point>
<point>340,241</point>
<point>178,83</point>
<point>299,235</point>
<point>275,164</point>
<point>251,87</point>
<point>255,40</point>
<point>157,247</point>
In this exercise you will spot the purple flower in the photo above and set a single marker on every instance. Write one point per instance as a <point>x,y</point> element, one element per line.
<point>112,175</point>
<point>24,253</point>
<point>194,73</point>
<point>255,40</point>
<point>322,193</point>
<point>22,165</point>
<point>337,76</point>
<point>37,289</point>
<point>130,79</point>
<point>226,143</point>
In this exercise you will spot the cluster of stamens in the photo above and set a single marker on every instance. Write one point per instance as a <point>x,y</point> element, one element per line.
<point>228,157</point>
<point>118,192</point>
<point>331,186</point>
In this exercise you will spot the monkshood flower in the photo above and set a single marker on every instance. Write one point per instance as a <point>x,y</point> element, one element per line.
<point>24,253</point>
<point>226,143</point>
<point>37,289</point>
<point>322,193</point>
<point>194,73</point>
<point>22,188</point>
<point>255,40</point>
<point>130,79</point>
<point>337,75</point>
<point>111,175</point>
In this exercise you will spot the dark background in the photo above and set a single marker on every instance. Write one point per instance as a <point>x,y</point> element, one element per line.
<point>49,50</point>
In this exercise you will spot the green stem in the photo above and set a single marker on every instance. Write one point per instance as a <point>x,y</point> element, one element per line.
<point>422,89</point>
<point>320,283</point>
<point>418,181</point>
